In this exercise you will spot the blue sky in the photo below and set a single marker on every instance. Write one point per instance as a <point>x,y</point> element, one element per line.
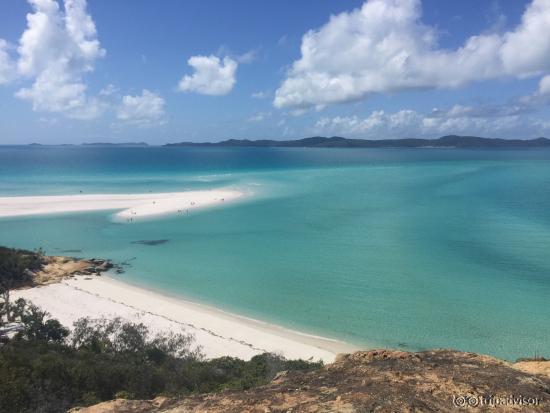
<point>73,72</point>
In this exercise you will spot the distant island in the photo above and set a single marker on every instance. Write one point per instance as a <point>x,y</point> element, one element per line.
<point>93,144</point>
<point>115,144</point>
<point>449,141</point>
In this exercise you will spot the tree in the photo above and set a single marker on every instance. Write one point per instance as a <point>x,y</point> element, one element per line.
<point>43,371</point>
<point>119,336</point>
<point>16,267</point>
<point>35,324</point>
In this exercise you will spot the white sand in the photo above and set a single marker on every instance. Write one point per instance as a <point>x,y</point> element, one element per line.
<point>134,206</point>
<point>217,333</point>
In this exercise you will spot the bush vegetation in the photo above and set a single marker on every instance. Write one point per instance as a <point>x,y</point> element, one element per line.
<point>46,368</point>
<point>16,267</point>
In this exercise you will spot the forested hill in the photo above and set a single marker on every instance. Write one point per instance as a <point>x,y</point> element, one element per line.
<point>449,141</point>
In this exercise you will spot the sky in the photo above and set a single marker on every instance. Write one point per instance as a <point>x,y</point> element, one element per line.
<point>73,71</point>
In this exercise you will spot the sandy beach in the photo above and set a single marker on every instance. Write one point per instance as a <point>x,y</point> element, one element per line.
<point>133,207</point>
<point>218,333</point>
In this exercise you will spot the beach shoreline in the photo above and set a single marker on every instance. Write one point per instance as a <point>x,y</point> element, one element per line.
<point>131,207</point>
<point>217,332</point>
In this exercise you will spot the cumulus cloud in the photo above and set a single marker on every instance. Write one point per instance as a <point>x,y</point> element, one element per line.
<point>212,76</point>
<point>466,120</point>
<point>544,85</point>
<point>145,109</point>
<point>378,124</point>
<point>55,51</point>
<point>514,108</point>
<point>540,97</point>
<point>7,66</point>
<point>384,47</point>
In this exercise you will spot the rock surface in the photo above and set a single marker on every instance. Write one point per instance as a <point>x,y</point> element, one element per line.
<point>377,381</point>
<point>57,268</point>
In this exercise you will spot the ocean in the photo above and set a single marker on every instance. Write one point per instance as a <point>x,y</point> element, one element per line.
<point>400,248</point>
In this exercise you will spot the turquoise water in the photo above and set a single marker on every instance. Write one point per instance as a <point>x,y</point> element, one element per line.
<point>408,249</point>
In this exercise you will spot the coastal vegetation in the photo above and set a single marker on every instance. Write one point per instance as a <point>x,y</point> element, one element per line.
<point>22,268</point>
<point>43,367</point>
<point>46,367</point>
<point>16,267</point>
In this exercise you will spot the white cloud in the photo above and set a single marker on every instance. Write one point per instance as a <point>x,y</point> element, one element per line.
<point>211,77</point>
<point>466,120</point>
<point>48,121</point>
<point>108,90</point>
<point>261,94</point>
<point>540,97</point>
<point>248,57</point>
<point>55,51</point>
<point>544,85</point>
<point>377,123</point>
<point>145,109</point>
<point>243,58</point>
<point>384,47</point>
<point>484,111</point>
<point>260,116</point>
<point>7,67</point>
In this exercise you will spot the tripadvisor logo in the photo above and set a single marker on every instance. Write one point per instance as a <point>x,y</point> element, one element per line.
<point>495,401</point>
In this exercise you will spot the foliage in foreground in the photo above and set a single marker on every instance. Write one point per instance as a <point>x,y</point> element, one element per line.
<point>15,265</point>
<point>15,271</point>
<point>44,369</point>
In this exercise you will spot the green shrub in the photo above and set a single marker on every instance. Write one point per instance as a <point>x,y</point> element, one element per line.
<point>105,359</point>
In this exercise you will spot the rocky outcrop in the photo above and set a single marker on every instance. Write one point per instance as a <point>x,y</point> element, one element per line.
<point>380,381</point>
<point>57,268</point>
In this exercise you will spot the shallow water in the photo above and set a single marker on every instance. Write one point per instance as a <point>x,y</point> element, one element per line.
<point>406,248</point>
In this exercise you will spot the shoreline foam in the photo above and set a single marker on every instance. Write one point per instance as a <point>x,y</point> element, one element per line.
<point>217,332</point>
<point>133,206</point>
